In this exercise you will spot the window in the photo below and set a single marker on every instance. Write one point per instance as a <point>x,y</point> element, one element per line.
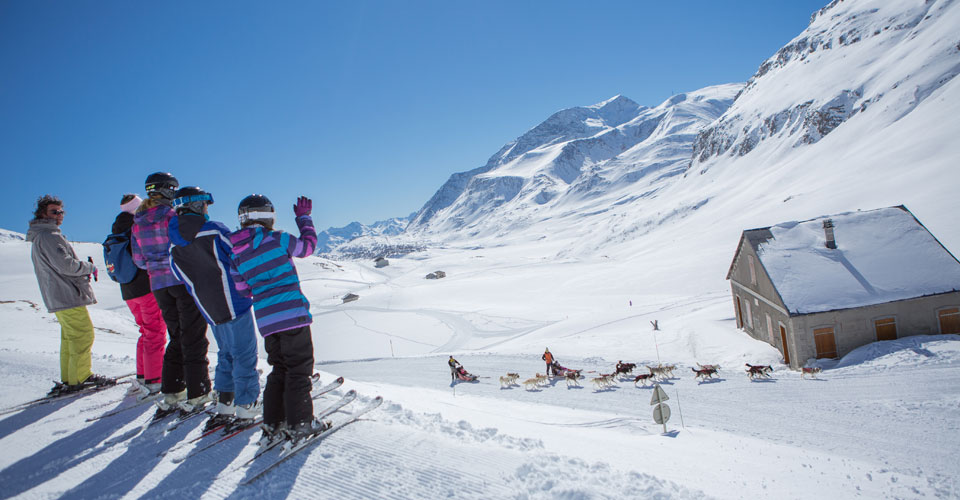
<point>886,328</point>
<point>949,320</point>
<point>826,342</point>
<point>739,311</point>
<point>770,329</point>
<point>753,269</point>
<point>749,314</point>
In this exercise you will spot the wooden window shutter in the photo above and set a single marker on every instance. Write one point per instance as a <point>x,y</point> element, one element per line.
<point>826,342</point>
<point>886,328</point>
<point>949,320</point>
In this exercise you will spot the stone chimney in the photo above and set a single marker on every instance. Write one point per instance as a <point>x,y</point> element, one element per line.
<point>828,232</point>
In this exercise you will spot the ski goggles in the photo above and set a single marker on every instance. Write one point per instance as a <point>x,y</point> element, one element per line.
<point>183,200</point>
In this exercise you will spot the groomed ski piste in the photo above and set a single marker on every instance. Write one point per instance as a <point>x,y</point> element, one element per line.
<point>881,422</point>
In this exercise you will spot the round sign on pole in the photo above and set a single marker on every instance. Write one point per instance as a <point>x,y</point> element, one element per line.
<point>661,413</point>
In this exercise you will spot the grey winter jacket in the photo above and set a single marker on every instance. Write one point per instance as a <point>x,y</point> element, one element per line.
<point>63,278</point>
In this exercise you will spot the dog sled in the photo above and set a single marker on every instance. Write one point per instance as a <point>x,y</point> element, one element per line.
<point>561,371</point>
<point>459,373</point>
<point>462,375</point>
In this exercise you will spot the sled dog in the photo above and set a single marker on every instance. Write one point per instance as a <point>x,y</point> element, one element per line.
<point>604,381</point>
<point>531,383</point>
<point>754,371</point>
<point>704,373</point>
<point>509,380</point>
<point>810,371</point>
<point>643,377</point>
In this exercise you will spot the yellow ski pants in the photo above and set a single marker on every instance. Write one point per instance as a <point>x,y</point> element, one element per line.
<point>76,341</point>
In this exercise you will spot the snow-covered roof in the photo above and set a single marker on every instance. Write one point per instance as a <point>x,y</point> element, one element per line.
<point>882,255</point>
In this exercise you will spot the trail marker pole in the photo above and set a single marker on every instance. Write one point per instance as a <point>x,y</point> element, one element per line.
<point>680,409</point>
<point>657,347</point>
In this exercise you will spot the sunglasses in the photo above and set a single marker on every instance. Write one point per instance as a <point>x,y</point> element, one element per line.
<point>58,211</point>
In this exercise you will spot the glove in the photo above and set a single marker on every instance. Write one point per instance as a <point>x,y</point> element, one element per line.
<point>303,207</point>
<point>96,273</point>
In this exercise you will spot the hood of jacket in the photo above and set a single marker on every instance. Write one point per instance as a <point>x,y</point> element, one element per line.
<point>151,213</point>
<point>184,228</point>
<point>38,226</point>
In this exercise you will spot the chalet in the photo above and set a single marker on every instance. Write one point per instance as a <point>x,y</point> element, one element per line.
<point>436,275</point>
<point>350,297</point>
<point>381,262</point>
<point>823,287</point>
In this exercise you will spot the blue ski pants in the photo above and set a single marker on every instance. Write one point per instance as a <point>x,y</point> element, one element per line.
<point>237,359</point>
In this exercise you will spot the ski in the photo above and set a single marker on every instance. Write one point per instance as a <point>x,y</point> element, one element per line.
<point>306,443</point>
<point>348,397</point>
<point>340,403</point>
<point>63,396</point>
<point>184,416</point>
<point>232,431</point>
<point>327,388</point>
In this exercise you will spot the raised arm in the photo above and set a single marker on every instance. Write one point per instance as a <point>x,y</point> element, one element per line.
<point>307,242</point>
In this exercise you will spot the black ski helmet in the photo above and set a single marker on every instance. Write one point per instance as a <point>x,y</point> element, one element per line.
<point>162,184</point>
<point>254,208</point>
<point>191,199</point>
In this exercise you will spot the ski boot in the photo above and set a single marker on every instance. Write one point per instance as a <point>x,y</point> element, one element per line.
<point>245,415</point>
<point>305,430</point>
<point>136,386</point>
<point>58,389</point>
<point>94,380</point>
<point>150,389</point>
<point>168,404</point>
<point>272,434</point>
<point>223,413</point>
<point>196,404</point>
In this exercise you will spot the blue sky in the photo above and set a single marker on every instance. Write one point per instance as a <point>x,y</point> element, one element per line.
<point>366,107</point>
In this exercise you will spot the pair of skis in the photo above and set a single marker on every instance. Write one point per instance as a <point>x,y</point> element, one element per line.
<point>291,450</point>
<point>337,405</point>
<point>66,396</point>
<point>230,432</point>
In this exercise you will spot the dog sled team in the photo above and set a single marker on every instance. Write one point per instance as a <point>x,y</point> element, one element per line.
<point>623,371</point>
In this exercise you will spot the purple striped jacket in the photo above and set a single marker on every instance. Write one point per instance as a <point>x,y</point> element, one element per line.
<point>150,245</point>
<point>264,260</point>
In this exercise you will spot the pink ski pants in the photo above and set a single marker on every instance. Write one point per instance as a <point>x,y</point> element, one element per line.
<point>153,336</point>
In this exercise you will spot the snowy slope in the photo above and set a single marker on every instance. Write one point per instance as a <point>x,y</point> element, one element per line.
<point>637,235</point>
<point>854,431</point>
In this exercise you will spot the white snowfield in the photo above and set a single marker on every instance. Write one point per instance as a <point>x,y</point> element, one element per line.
<point>617,234</point>
<point>880,423</point>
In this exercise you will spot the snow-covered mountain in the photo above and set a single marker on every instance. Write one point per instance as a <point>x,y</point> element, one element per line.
<point>866,92</point>
<point>854,56</point>
<point>333,237</point>
<point>571,159</point>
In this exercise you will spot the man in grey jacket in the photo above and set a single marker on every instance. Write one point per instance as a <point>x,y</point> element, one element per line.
<point>65,287</point>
